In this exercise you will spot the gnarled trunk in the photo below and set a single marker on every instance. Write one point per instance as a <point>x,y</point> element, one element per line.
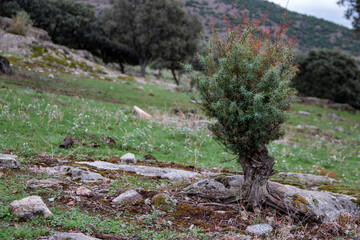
<point>257,168</point>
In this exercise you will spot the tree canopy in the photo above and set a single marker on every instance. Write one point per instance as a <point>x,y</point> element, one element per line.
<point>352,12</point>
<point>149,27</point>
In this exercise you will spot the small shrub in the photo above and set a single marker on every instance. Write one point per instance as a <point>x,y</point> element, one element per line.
<point>245,87</point>
<point>20,23</point>
<point>330,75</point>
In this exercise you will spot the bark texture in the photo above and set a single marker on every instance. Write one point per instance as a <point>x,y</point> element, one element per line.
<point>257,170</point>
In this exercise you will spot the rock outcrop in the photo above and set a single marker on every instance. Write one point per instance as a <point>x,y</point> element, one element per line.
<point>322,206</point>
<point>5,67</point>
<point>168,173</point>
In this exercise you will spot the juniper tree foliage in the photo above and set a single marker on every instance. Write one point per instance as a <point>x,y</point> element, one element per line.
<point>245,87</point>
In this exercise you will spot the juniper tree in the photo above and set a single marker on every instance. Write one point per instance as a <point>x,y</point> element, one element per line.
<point>245,87</point>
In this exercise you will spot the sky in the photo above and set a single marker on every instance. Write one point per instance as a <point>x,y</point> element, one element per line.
<point>326,9</point>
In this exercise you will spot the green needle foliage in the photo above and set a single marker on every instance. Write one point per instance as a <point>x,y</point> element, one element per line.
<point>245,87</point>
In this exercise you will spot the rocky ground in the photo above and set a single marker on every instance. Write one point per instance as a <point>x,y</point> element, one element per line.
<point>185,205</point>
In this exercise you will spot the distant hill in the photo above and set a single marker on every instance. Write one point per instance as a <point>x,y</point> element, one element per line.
<point>311,32</point>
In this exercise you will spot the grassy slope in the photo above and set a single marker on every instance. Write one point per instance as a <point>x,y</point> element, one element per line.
<point>37,112</point>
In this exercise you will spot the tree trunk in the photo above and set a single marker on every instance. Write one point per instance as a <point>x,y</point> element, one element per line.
<point>143,68</point>
<point>255,194</point>
<point>122,67</point>
<point>257,170</point>
<point>174,75</point>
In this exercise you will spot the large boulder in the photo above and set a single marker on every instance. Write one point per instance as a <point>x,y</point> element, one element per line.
<point>323,206</point>
<point>30,207</point>
<point>5,67</point>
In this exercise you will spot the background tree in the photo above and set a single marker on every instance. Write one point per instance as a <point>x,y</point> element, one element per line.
<point>353,10</point>
<point>145,26</point>
<point>182,45</point>
<point>329,75</point>
<point>245,87</point>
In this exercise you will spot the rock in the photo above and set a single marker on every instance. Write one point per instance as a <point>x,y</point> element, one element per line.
<point>323,206</point>
<point>85,54</point>
<point>342,107</point>
<point>141,113</point>
<point>336,117</point>
<point>8,161</point>
<point>70,236</point>
<point>340,129</point>
<point>5,67</point>
<point>43,183</point>
<point>67,142</point>
<point>130,196</point>
<point>139,88</point>
<point>304,113</point>
<point>128,158</point>
<point>259,229</point>
<point>83,191</point>
<point>51,76</point>
<point>77,174</point>
<point>309,178</point>
<point>163,202</point>
<point>29,207</point>
<point>38,34</point>
<point>168,173</point>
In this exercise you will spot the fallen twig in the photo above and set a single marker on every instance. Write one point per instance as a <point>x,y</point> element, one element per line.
<point>105,236</point>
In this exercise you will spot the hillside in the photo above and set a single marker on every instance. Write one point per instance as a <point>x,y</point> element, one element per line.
<point>311,32</point>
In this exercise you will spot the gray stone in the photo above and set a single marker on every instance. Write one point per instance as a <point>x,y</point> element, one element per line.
<point>70,236</point>
<point>259,229</point>
<point>309,178</point>
<point>334,116</point>
<point>163,202</point>
<point>128,158</point>
<point>324,206</point>
<point>130,196</point>
<point>8,161</point>
<point>139,88</point>
<point>304,113</point>
<point>340,129</point>
<point>29,207</point>
<point>83,191</point>
<point>43,183</point>
<point>77,174</point>
<point>5,66</point>
<point>168,173</point>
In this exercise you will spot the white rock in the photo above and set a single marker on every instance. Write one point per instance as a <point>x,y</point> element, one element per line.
<point>130,196</point>
<point>259,229</point>
<point>83,191</point>
<point>8,161</point>
<point>51,76</point>
<point>141,113</point>
<point>71,236</point>
<point>29,207</point>
<point>304,113</point>
<point>128,158</point>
